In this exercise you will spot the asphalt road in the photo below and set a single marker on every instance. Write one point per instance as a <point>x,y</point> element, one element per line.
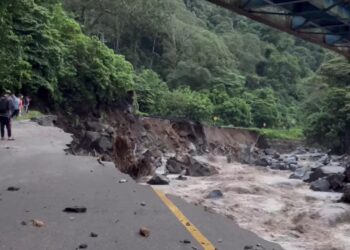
<point>49,181</point>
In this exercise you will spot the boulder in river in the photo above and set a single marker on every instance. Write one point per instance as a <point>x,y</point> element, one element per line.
<point>329,170</point>
<point>159,180</point>
<point>346,195</point>
<point>293,167</point>
<point>347,173</point>
<point>175,165</point>
<point>190,166</point>
<point>336,181</point>
<point>325,160</point>
<point>263,161</point>
<point>300,150</point>
<point>197,168</point>
<point>279,165</point>
<point>323,171</point>
<point>293,159</point>
<point>181,178</point>
<point>299,173</point>
<point>317,156</point>
<point>320,185</point>
<point>215,194</point>
<point>314,175</point>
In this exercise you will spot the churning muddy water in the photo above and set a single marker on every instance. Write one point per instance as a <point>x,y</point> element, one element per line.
<point>270,204</point>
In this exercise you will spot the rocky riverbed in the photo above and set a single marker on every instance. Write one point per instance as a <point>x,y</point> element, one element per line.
<point>324,172</point>
<point>269,203</point>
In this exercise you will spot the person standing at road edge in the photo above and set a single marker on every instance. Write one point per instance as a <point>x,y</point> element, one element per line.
<point>16,104</point>
<point>5,115</point>
<point>26,103</point>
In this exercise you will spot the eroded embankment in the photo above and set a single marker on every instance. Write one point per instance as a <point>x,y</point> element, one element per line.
<point>139,145</point>
<point>259,189</point>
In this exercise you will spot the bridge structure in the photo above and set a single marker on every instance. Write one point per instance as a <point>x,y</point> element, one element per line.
<point>323,22</point>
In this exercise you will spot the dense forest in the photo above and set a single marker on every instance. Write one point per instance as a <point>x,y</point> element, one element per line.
<point>204,60</point>
<point>183,58</point>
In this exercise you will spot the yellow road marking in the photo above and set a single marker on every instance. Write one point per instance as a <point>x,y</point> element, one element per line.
<point>203,241</point>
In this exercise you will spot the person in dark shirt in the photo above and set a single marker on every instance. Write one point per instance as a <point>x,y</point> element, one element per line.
<point>6,107</point>
<point>26,103</point>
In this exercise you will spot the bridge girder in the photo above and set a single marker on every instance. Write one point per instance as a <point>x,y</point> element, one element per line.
<point>323,22</point>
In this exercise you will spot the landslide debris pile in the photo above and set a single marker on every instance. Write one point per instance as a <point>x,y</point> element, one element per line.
<point>141,146</point>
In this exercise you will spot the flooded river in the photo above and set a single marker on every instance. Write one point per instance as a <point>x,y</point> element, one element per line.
<point>270,204</point>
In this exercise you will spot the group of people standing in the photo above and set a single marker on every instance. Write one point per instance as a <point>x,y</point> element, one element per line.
<point>11,106</point>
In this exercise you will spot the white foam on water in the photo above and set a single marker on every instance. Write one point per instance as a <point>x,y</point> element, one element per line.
<point>270,204</point>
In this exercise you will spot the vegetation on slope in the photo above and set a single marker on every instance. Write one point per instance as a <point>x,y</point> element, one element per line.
<point>244,73</point>
<point>327,107</point>
<point>45,54</point>
<point>282,134</point>
<point>188,59</point>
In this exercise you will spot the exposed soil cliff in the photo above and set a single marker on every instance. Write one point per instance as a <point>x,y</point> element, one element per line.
<point>138,145</point>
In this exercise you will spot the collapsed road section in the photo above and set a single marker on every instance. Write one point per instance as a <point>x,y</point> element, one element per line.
<point>65,202</point>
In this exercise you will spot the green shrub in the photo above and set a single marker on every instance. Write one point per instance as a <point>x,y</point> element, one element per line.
<point>331,122</point>
<point>234,111</point>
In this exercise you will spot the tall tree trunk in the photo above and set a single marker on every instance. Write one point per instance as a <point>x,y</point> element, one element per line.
<point>135,59</point>
<point>153,52</point>
<point>116,45</point>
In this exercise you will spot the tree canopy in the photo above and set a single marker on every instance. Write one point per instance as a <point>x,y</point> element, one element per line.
<point>327,109</point>
<point>183,58</point>
<point>45,54</point>
<point>210,50</point>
